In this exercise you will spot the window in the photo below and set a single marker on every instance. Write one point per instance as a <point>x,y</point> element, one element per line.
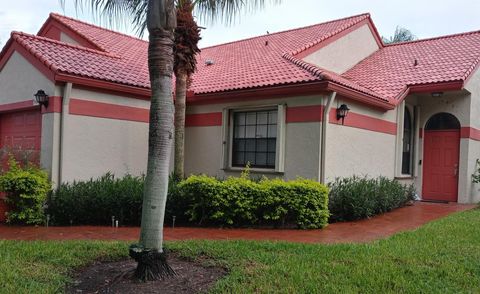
<point>407,142</point>
<point>254,139</point>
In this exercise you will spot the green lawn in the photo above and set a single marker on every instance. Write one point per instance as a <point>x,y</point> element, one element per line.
<point>441,257</point>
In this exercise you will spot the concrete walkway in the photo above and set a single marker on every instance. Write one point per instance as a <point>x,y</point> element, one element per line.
<point>402,219</point>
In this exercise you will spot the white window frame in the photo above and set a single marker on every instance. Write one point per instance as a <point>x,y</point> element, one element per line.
<point>227,137</point>
<point>415,113</point>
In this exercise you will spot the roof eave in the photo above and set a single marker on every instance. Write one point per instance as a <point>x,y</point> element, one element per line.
<point>137,92</point>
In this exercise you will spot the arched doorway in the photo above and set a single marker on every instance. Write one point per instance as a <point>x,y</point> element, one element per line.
<point>441,157</point>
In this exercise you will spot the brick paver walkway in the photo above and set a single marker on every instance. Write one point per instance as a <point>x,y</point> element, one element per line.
<point>406,218</point>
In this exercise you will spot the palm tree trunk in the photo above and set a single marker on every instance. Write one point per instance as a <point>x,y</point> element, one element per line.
<point>180,100</point>
<point>151,258</point>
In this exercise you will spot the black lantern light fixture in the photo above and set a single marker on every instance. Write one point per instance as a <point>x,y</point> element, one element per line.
<point>42,98</point>
<point>342,112</point>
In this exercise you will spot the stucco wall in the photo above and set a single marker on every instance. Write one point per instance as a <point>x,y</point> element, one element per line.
<point>203,151</point>
<point>473,86</point>
<point>96,145</point>
<point>66,38</point>
<point>354,151</point>
<point>19,80</point>
<point>344,53</point>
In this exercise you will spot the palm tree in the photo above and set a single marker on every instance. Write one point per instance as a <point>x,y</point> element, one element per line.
<point>159,18</point>
<point>400,35</point>
<point>187,35</point>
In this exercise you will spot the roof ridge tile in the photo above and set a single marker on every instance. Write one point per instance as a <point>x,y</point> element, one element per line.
<point>364,15</point>
<point>59,17</point>
<point>456,35</point>
<point>15,35</point>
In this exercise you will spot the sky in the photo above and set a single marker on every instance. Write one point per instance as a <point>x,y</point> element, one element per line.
<point>425,18</point>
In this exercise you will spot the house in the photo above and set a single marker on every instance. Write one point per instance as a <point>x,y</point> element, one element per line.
<point>275,101</point>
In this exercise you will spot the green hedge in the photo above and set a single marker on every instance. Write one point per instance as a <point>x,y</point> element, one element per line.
<point>356,197</point>
<point>243,202</point>
<point>199,200</point>
<point>95,201</point>
<point>26,188</point>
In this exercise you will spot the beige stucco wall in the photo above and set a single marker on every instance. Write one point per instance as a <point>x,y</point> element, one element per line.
<point>19,80</point>
<point>473,87</point>
<point>203,145</point>
<point>344,53</point>
<point>94,146</point>
<point>66,38</point>
<point>354,151</point>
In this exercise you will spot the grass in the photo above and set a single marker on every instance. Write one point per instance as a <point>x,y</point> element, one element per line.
<point>443,256</point>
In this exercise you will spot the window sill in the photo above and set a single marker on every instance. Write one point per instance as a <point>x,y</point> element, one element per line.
<point>254,170</point>
<point>405,177</point>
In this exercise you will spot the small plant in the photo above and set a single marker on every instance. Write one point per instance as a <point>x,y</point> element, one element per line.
<point>476,173</point>
<point>26,188</point>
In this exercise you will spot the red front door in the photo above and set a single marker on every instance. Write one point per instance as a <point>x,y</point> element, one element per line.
<point>440,165</point>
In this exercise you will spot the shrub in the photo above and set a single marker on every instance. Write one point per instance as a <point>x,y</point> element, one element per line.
<point>241,201</point>
<point>356,197</point>
<point>26,188</point>
<point>95,201</point>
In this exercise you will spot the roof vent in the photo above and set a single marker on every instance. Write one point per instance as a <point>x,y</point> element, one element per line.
<point>209,62</point>
<point>415,62</point>
<point>266,43</point>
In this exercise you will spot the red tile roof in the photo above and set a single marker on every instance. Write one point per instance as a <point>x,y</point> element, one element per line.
<point>263,61</point>
<point>391,70</point>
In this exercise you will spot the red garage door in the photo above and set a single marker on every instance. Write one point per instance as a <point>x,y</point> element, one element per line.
<point>20,130</point>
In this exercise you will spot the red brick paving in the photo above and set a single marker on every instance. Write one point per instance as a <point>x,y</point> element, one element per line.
<point>402,219</point>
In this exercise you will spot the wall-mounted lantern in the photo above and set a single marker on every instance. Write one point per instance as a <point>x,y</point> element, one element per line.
<point>342,112</point>
<point>42,98</point>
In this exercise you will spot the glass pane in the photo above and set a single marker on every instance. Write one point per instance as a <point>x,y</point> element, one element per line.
<point>250,132</point>
<point>261,131</point>
<point>239,132</point>
<point>238,158</point>
<point>262,117</point>
<point>272,145</point>
<point>272,117</point>
<point>442,121</point>
<point>251,118</point>
<point>272,131</point>
<point>250,157</point>
<point>261,145</point>
<point>239,118</point>
<point>250,145</point>
<point>271,159</point>
<point>239,145</point>
<point>261,159</point>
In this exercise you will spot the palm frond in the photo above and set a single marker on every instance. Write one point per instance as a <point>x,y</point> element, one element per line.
<point>226,11</point>
<point>116,12</point>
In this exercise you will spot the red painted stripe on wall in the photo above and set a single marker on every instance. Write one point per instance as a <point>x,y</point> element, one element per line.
<point>312,113</point>
<point>54,105</point>
<point>361,121</point>
<point>107,110</point>
<point>203,119</point>
<point>470,133</point>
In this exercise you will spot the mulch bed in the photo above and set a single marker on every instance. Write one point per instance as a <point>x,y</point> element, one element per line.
<point>115,277</point>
